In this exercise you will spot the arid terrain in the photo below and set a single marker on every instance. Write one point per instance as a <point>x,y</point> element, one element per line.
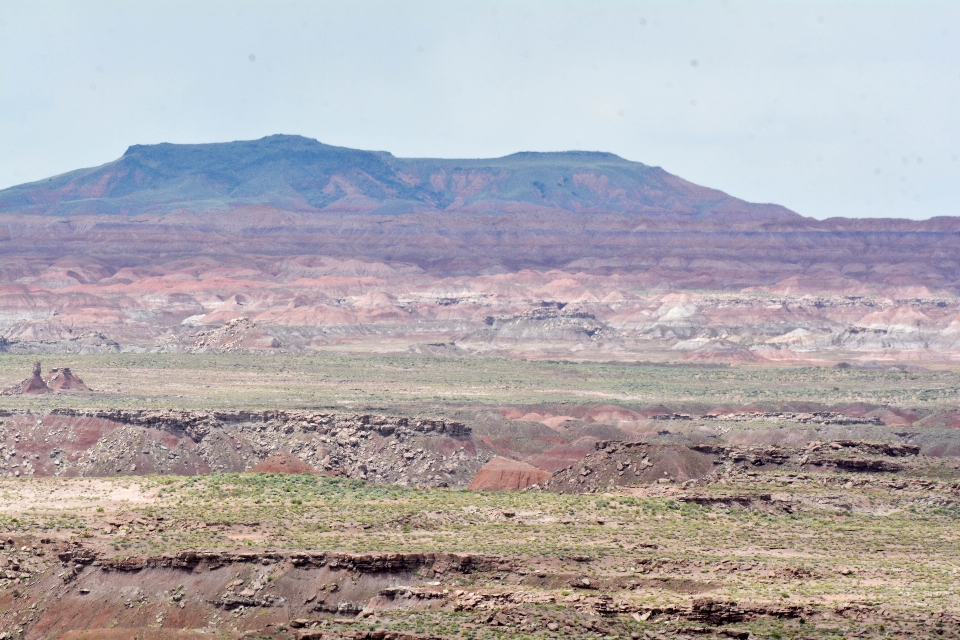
<point>285,244</point>
<point>282,390</point>
<point>609,499</point>
<point>327,304</point>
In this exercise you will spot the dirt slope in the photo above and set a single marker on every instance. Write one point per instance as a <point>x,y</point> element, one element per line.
<point>502,474</point>
<point>282,463</point>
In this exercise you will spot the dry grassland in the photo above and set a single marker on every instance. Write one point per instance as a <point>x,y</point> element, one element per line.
<point>228,381</point>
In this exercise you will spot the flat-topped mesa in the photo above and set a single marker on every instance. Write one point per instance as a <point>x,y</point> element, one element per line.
<point>298,174</point>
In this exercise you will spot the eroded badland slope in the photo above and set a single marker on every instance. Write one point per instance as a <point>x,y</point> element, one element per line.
<point>306,246</point>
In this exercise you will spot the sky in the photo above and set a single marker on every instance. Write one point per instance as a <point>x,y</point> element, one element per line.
<point>828,108</point>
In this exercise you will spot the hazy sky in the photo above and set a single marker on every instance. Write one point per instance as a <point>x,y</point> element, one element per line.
<point>830,108</point>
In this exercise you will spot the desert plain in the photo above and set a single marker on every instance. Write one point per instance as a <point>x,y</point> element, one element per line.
<point>277,389</point>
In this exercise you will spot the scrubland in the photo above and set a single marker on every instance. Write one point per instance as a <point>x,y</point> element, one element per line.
<point>233,381</point>
<point>772,552</point>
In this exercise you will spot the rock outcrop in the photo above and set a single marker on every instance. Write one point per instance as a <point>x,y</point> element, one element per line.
<point>631,464</point>
<point>34,385</point>
<point>386,449</point>
<point>619,464</point>
<point>65,380</point>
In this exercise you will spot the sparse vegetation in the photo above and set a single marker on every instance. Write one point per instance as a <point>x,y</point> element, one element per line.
<point>329,379</point>
<point>836,554</point>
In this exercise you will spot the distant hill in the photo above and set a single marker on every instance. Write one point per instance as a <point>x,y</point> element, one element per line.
<point>298,174</point>
<point>287,243</point>
<point>284,197</point>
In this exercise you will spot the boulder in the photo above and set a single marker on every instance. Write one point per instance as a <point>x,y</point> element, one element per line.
<point>502,474</point>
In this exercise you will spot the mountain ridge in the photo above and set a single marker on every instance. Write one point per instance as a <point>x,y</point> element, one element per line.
<point>300,174</point>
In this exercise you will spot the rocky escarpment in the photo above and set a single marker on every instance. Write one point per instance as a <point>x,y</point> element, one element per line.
<point>618,464</point>
<point>386,449</point>
<point>630,464</point>
<point>73,586</point>
<point>330,595</point>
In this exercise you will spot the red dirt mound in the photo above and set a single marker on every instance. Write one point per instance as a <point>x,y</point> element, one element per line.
<point>561,457</point>
<point>64,380</point>
<point>501,474</point>
<point>282,463</point>
<point>612,414</point>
